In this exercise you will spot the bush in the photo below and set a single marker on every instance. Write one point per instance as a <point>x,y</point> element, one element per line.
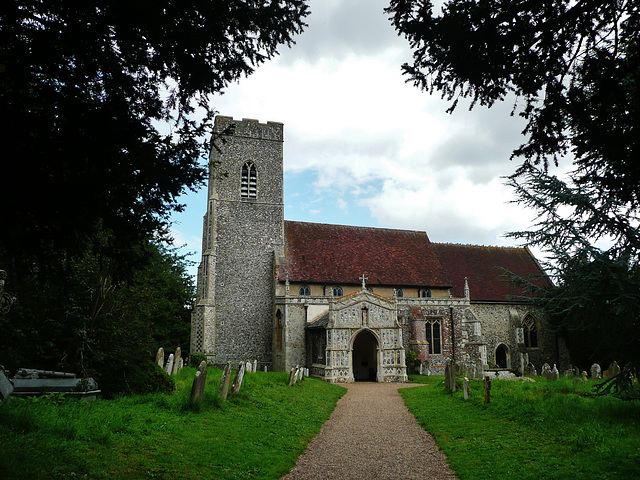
<point>134,379</point>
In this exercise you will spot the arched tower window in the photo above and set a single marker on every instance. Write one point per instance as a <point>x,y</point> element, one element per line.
<point>530,332</point>
<point>433,336</point>
<point>278,329</point>
<point>249,181</point>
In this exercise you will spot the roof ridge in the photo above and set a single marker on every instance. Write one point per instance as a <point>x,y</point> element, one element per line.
<point>387,229</point>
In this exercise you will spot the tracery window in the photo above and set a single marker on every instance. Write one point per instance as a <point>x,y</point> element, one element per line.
<point>305,290</point>
<point>425,293</point>
<point>433,336</point>
<point>337,291</point>
<point>530,332</point>
<point>249,181</point>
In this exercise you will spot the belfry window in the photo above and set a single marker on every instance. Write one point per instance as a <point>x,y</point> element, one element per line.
<point>249,181</point>
<point>433,331</point>
<point>305,290</point>
<point>530,332</point>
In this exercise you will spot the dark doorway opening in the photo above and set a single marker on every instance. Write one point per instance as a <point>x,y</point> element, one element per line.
<point>501,356</point>
<point>365,357</point>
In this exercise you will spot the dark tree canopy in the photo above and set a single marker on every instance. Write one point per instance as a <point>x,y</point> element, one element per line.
<point>105,107</point>
<point>573,66</point>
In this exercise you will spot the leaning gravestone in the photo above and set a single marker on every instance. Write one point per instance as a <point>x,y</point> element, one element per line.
<point>465,388</point>
<point>160,357</point>
<point>614,369</point>
<point>179,365</point>
<point>176,360</point>
<point>225,382</point>
<point>169,367</point>
<point>584,376</point>
<point>237,383</point>
<point>292,376</point>
<point>199,382</point>
<point>596,371</point>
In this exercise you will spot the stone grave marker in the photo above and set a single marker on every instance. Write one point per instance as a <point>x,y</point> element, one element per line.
<point>584,376</point>
<point>554,374</point>
<point>169,367</point>
<point>265,368</point>
<point>199,382</point>
<point>180,364</point>
<point>160,357</point>
<point>614,369</point>
<point>248,366</point>
<point>479,369</point>
<point>225,382</point>
<point>255,366</point>
<point>237,383</point>
<point>596,371</point>
<point>465,388</point>
<point>487,389</point>
<point>447,376</point>
<point>292,376</point>
<point>530,370</point>
<point>176,360</point>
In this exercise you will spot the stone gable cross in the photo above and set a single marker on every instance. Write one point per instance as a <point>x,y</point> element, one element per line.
<point>363,278</point>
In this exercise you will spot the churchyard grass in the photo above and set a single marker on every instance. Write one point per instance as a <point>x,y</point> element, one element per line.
<point>541,430</point>
<point>258,434</point>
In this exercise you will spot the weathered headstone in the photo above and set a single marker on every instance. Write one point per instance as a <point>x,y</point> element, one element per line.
<point>255,366</point>
<point>176,360</point>
<point>265,368</point>
<point>487,389</point>
<point>530,370</point>
<point>447,376</point>
<point>596,371</point>
<point>614,369</point>
<point>180,364</point>
<point>160,357</point>
<point>465,388</point>
<point>292,376</point>
<point>169,367</point>
<point>554,374</point>
<point>199,382</point>
<point>450,375</point>
<point>237,382</point>
<point>584,376</point>
<point>479,368</point>
<point>248,367</point>
<point>225,382</point>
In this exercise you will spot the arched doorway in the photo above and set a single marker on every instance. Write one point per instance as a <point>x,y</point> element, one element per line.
<point>502,356</point>
<point>365,357</point>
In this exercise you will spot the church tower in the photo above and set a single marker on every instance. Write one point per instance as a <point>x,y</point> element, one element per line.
<point>243,229</point>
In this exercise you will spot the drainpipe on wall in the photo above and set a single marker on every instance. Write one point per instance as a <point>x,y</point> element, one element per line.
<point>453,336</point>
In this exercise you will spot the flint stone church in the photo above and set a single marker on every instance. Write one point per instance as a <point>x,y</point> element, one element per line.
<point>347,302</point>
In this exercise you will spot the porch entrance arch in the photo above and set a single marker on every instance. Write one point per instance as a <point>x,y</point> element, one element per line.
<point>365,357</point>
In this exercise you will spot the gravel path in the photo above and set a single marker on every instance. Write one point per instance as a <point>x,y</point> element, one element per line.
<point>372,435</point>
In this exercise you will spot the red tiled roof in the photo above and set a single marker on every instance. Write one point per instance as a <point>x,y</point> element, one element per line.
<point>483,267</point>
<point>322,253</point>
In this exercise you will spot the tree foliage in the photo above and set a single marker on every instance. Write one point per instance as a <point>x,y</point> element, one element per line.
<point>105,106</point>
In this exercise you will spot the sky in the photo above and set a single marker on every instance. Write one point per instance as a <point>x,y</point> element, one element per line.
<point>363,147</point>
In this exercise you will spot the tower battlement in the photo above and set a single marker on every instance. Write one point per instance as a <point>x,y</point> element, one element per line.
<point>250,128</point>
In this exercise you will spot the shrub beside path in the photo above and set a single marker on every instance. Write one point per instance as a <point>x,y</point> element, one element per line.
<point>372,435</point>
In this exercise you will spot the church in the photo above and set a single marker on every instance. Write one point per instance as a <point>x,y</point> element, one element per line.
<point>348,302</point>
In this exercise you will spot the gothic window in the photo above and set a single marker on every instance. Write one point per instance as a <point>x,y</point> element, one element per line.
<point>305,290</point>
<point>433,336</point>
<point>249,181</point>
<point>397,292</point>
<point>337,291</point>
<point>425,293</point>
<point>530,332</point>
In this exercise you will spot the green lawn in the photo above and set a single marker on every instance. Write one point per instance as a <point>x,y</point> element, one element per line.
<point>542,430</point>
<point>258,434</point>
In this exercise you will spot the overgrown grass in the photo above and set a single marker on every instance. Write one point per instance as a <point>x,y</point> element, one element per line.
<point>541,430</point>
<point>258,434</point>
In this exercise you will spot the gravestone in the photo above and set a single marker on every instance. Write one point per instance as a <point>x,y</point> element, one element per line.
<point>225,382</point>
<point>176,360</point>
<point>465,388</point>
<point>199,382</point>
<point>237,383</point>
<point>596,371</point>
<point>530,370</point>
<point>160,357</point>
<point>265,368</point>
<point>255,366</point>
<point>180,365</point>
<point>479,368</point>
<point>614,369</point>
<point>487,389</point>
<point>554,374</point>
<point>584,376</point>
<point>248,366</point>
<point>447,376</point>
<point>169,367</point>
<point>292,376</point>
<point>546,370</point>
<point>6,387</point>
